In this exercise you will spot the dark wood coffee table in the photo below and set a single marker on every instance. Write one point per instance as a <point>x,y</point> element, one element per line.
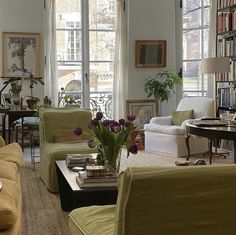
<point>212,133</point>
<point>72,196</point>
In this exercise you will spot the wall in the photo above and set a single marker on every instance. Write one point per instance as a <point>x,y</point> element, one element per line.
<point>22,16</point>
<point>150,20</point>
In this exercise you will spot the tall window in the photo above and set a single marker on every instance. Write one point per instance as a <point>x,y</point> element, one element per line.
<point>85,47</point>
<point>195,15</point>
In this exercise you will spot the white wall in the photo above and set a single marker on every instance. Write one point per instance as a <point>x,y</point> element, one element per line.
<point>22,16</point>
<point>150,20</point>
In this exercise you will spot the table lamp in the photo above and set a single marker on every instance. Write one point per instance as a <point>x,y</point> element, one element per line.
<point>215,65</point>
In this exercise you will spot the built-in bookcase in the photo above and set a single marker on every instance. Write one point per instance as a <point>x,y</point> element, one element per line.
<point>226,46</point>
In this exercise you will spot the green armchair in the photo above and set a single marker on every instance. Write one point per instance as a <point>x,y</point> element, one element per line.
<point>165,200</point>
<point>53,125</point>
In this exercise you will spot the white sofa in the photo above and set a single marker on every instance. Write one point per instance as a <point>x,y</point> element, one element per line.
<point>164,138</point>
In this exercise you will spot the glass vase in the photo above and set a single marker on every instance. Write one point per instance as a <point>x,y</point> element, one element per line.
<point>112,155</point>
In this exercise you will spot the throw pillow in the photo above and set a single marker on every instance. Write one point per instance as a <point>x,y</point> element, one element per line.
<point>67,137</point>
<point>178,117</point>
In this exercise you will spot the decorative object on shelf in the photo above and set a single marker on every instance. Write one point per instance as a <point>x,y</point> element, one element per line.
<point>110,136</point>
<point>15,92</point>
<point>150,53</point>
<point>161,85</point>
<point>143,110</point>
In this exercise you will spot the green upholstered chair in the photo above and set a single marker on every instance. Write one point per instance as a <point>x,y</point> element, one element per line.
<point>54,124</point>
<point>175,200</point>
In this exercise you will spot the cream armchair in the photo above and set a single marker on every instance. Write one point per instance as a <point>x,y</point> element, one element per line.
<point>164,138</point>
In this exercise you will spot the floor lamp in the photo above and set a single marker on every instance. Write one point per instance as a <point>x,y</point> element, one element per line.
<point>216,65</point>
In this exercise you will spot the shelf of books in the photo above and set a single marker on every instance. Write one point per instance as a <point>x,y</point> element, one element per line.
<point>226,46</point>
<point>226,94</point>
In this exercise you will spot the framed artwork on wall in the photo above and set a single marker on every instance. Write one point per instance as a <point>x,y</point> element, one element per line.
<point>143,110</point>
<point>21,52</point>
<point>150,53</point>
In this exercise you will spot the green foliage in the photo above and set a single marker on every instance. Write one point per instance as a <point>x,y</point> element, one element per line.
<point>162,84</point>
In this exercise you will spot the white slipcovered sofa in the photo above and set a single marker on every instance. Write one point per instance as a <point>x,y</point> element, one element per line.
<point>164,138</point>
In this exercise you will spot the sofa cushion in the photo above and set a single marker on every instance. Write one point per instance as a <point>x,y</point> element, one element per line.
<point>12,153</point>
<point>178,117</point>
<point>67,137</point>
<point>8,170</point>
<point>9,196</point>
<point>93,220</point>
<point>170,130</point>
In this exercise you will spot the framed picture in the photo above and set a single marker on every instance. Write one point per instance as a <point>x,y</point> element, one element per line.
<point>21,51</point>
<point>150,53</point>
<point>143,110</point>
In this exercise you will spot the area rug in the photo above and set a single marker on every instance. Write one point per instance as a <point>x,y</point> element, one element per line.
<point>144,158</point>
<point>42,214</point>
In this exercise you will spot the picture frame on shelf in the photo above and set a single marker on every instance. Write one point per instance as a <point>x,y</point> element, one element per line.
<point>20,50</point>
<point>143,110</point>
<point>150,53</point>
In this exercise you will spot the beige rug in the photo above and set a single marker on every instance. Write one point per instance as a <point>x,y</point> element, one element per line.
<point>151,159</point>
<point>42,214</point>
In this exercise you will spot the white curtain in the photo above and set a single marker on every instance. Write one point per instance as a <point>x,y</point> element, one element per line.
<point>121,64</point>
<point>50,71</point>
<point>212,43</point>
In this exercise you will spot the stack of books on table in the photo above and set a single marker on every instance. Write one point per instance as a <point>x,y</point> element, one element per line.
<point>78,159</point>
<point>98,181</point>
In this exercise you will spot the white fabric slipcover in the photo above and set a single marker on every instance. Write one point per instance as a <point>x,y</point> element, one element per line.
<point>164,138</point>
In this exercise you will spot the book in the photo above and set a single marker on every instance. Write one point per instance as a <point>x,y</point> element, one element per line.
<point>78,159</point>
<point>95,184</point>
<point>99,179</point>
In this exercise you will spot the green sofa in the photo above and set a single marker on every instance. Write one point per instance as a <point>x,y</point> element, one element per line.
<point>10,195</point>
<point>57,139</point>
<point>196,200</point>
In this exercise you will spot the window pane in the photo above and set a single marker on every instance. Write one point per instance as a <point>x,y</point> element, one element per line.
<point>69,76</point>
<point>69,45</point>
<point>192,44</point>
<point>68,11</point>
<point>206,42</point>
<point>190,5</point>
<point>206,16</point>
<point>206,2</point>
<point>102,45</point>
<point>192,19</point>
<point>101,76</point>
<point>191,76</point>
<point>102,14</point>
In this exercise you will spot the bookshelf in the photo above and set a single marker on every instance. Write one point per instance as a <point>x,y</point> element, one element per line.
<point>225,86</point>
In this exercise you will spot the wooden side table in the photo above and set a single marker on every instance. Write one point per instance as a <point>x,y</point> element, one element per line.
<point>137,137</point>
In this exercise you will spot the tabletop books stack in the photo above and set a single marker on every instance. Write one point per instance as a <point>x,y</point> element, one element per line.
<point>81,160</point>
<point>102,179</point>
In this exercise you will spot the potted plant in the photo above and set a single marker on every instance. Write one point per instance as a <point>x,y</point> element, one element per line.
<point>162,84</point>
<point>33,101</point>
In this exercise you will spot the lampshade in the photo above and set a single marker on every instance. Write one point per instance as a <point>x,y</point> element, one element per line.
<point>215,65</point>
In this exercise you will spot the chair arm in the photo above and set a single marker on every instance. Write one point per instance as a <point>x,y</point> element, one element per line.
<point>2,142</point>
<point>161,120</point>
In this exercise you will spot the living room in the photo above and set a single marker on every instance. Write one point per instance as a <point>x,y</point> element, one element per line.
<point>45,196</point>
